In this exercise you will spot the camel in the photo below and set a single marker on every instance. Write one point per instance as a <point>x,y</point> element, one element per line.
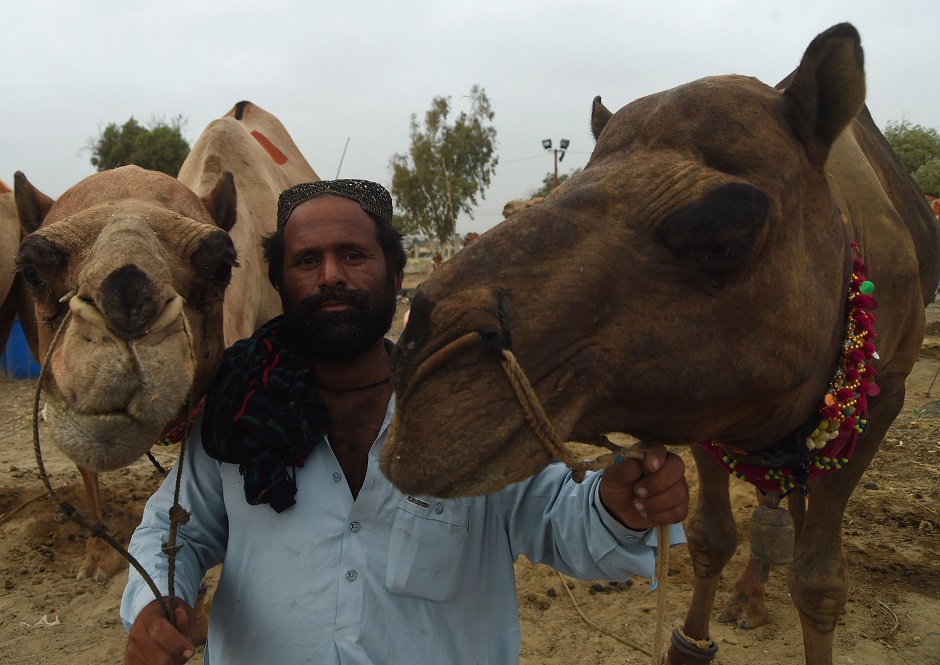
<point>694,285</point>
<point>9,241</point>
<point>157,276</point>
<point>516,205</point>
<point>15,300</point>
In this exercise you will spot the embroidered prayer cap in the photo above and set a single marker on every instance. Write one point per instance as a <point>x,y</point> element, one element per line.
<point>373,198</point>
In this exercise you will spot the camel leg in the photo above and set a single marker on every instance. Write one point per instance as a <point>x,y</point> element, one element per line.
<point>7,316</point>
<point>818,578</point>
<point>712,539</point>
<point>745,606</point>
<point>796,504</point>
<point>101,561</point>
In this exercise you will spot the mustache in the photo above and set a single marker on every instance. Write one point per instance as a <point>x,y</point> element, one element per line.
<point>336,296</point>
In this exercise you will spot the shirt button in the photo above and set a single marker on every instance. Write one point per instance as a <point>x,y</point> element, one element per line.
<point>351,575</point>
<point>336,476</point>
<point>354,526</point>
<point>439,508</point>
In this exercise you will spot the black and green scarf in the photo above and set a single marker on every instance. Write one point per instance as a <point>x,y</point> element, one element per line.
<point>260,415</point>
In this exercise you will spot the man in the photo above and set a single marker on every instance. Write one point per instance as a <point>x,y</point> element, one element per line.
<point>324,560</point>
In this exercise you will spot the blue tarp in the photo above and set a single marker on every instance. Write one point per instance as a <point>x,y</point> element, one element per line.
<point>17,361</point>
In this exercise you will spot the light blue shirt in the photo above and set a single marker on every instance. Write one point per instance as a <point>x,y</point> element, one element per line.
<point>388,578</point>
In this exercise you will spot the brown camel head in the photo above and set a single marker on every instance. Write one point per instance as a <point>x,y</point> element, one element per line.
<point>140,265</point>
<point>663,291</point>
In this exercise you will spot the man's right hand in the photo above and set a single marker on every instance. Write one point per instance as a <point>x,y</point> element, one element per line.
<point>154,641</point>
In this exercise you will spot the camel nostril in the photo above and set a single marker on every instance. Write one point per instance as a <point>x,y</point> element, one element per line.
<point>130,301</point>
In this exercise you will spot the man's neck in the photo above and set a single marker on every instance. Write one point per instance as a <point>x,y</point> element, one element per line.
<point>356,394</point>
<point>366,370</point>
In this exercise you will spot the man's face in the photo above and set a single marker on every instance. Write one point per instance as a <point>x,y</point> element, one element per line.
<point>335,290</point>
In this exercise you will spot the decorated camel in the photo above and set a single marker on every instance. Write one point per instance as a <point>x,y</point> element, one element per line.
<point>146,279</point>
<point>720,250</point>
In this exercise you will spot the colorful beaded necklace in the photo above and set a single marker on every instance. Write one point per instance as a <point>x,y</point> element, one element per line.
<point>827,442</point>
<point>175,436</point>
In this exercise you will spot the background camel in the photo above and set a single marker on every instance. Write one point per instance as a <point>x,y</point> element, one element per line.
<point>706,290</point>
<point>133,265</point>
<point>516,205</point>
<point>9,242</point>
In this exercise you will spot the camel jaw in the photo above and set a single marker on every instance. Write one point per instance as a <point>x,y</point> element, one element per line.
<point>486,443</point>
<point>444,468</point>
<point>108,400</point>
<point>98,442</point>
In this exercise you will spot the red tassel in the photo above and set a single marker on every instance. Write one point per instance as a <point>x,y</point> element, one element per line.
<point>870,389</point>
<point>830,412</point>
<point>845,394</point>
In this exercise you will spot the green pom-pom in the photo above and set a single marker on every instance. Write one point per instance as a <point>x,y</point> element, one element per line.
<point>867,288</point>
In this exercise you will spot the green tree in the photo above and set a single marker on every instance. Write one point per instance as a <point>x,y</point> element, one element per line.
<point>158,147</point>
<point>918,148</point>
<point>548,183</point>
<point>446,168</point>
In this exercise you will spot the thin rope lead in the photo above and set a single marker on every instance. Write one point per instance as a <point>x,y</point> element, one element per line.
<point>65,511</point>
<point>178,514</point>
<point>548,436</point>
<point>554,445</point>
<point>629,643</point>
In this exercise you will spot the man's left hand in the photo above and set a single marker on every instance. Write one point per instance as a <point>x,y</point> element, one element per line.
<point>643,493</point>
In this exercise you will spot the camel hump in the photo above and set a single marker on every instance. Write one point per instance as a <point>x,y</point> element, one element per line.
<point>238,111</point>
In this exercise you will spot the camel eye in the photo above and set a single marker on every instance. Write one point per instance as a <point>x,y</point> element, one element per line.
<point>214,260</point>
<point>223,273</point>
<point>37,260</point>
<point>32,277</point>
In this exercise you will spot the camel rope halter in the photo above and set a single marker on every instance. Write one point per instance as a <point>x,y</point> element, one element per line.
<point>554,445</point>
<point>64,511</point>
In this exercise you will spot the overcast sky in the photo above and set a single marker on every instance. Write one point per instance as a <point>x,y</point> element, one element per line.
<point>357,70</point>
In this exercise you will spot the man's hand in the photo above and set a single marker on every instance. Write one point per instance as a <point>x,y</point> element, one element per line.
<point>154,641</point>
<point>645,493</point>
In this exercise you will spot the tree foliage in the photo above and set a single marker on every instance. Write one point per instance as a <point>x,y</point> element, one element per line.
<point>447,167</point>
<point>548,183</point>
<point>918,148</point>
<point>158,147</point>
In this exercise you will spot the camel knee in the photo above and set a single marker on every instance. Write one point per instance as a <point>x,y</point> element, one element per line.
<point>818,597</point>
<point>710,548</point>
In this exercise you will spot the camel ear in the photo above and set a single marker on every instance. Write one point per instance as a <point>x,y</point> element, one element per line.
<point>32,206</point>
<point>827,90</point>
<point>222,202</point>
<point>599,117</point>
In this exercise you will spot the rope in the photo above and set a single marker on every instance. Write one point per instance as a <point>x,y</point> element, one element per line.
<point>574,602</point>
<point>178,514</point>
<point>546,433</point>
<point>553,444</point>
<point>65,511</point>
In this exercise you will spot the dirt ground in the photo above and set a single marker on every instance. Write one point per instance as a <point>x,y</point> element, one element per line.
<point>892,543</point>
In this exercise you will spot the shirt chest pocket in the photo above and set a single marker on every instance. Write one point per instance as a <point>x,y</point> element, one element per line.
<point>426,548</point>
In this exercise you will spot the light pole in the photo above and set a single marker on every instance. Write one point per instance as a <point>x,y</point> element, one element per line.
<point>562,146</point>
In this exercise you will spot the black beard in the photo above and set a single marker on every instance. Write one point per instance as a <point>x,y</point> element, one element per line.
<point>340,335</point>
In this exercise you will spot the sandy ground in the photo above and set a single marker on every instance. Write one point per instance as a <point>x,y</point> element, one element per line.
<point>892,533</point>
